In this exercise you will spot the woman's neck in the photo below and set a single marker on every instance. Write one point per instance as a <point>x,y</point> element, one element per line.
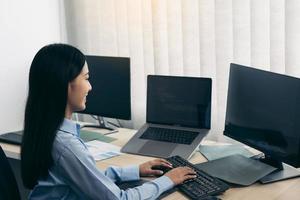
<point>68,113</point>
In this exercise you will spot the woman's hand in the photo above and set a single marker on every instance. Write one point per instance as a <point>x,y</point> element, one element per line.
<point>180,174</point>
<point>148,168</point>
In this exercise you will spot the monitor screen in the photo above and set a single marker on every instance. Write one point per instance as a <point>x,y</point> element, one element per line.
<point>110,80</point>
<point>183,101</point>
<point>263,111</point>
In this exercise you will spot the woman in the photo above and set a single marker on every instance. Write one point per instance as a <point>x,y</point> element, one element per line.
<point>55,162</point>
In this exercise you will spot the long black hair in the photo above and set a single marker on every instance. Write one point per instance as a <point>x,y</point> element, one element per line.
<point>52,68</point>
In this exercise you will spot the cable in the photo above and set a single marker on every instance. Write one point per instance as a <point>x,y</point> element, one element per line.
<point>94,117</point>
<point>113,124</point>
<point>119,123</point>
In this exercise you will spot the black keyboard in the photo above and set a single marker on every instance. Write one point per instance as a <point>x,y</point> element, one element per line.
<point>169,135</point>
<point>202,186</point>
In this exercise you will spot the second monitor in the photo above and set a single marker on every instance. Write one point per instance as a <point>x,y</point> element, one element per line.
<point>110,94</point>
<point>263,111</point>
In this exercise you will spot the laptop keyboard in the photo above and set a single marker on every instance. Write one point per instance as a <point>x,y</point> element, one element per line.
<point>169,135</point>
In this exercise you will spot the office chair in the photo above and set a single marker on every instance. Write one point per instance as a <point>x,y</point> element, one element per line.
<point>8,184</point>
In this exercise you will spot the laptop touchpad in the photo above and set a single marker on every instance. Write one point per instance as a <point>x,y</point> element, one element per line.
<point>157,149</point>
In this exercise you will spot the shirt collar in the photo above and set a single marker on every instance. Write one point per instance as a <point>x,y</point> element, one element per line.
<point>69,126</point>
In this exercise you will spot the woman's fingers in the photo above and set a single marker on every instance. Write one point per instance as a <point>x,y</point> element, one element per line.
<point>189,171</point>
<point>162,162</point>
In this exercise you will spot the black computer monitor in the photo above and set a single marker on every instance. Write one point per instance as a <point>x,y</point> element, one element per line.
<point>263,111</point>
<point>110,94</point>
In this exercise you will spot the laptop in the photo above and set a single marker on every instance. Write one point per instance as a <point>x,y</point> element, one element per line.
<point>178,117</point>
<point>12,137</point>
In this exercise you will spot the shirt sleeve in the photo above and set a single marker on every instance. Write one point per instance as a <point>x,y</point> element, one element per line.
<point>78,168</point>
<point>129,173</point>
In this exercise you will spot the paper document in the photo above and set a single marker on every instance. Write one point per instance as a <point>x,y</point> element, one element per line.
<point>213,152</point>
<point>101,150</point>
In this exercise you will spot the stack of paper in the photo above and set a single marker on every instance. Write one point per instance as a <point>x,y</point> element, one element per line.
<point>101,150</point>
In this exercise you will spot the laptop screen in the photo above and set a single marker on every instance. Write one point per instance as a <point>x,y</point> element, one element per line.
<point>181,101</point>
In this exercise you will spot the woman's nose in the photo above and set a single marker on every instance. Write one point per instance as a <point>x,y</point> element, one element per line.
<point>90,86</point>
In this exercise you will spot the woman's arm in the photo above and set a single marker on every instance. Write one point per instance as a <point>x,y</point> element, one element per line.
<point>78,168</point>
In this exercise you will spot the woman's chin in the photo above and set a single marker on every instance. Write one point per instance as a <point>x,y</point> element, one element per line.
<point>81,108</point>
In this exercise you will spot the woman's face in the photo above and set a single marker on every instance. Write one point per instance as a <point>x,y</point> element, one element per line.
<point>78,90</point>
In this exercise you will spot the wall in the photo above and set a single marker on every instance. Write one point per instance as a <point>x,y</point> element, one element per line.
<point>25,26</point>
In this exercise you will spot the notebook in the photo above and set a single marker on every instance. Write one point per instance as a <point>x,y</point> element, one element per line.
<point>177,119</point>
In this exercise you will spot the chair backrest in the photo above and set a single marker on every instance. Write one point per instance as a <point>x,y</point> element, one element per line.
<point>8,184</point>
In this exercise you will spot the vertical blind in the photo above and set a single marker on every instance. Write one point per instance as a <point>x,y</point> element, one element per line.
<point>188,37</point>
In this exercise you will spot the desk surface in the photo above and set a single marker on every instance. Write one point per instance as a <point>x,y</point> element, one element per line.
<point>288,189</point>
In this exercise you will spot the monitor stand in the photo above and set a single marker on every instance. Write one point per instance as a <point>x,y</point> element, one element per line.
<point>284,171</point>
<point>102,125</point>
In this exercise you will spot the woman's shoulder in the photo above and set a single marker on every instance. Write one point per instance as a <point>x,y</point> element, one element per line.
<point>66,143</point>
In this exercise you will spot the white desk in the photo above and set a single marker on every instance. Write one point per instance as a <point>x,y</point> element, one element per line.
<point>283,190</point>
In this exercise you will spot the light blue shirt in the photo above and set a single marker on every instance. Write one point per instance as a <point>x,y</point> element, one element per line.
<point>75,175</point>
